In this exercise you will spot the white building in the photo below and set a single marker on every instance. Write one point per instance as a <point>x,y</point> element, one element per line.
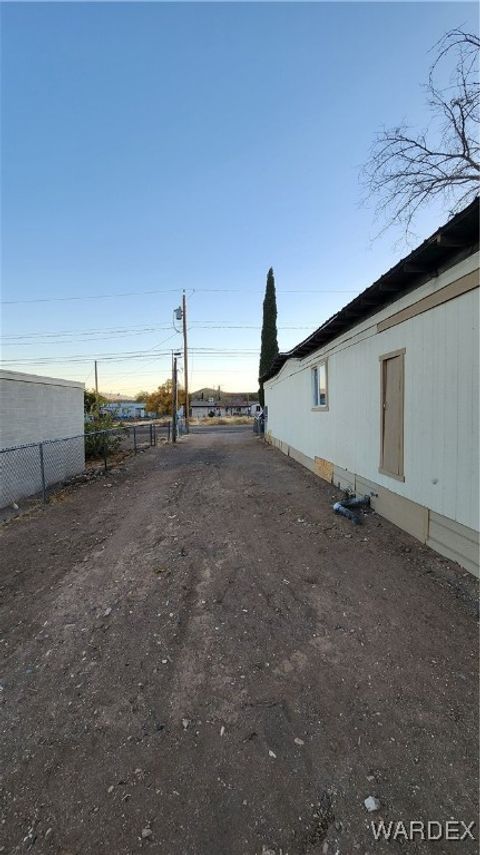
<point>230,406</point>
<point>125,409</point>
<point>384,396</point>
<point>242,407</point>
<point>37,410</point>
<point>201,408</point>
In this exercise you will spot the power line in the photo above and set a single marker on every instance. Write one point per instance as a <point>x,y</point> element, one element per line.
<point>211,326</point>
<point>88,297</point>
<point>81,297</point>
<point>113,333</point>
<point>126,355</point>
<point>278,291</point>
<point>73,335</point>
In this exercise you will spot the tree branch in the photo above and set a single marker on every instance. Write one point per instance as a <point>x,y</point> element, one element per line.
<point>405,171</point>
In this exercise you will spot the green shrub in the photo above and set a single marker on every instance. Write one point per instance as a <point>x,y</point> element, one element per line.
<point>96,443</point>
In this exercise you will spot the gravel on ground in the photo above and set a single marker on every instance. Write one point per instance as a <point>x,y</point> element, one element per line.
<point>200,658</point>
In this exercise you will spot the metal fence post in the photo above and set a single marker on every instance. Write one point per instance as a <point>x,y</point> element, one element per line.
<point>134,439</point>
<point>154,434</point>
<point>42,470</point>
<point>151,434</point>
<point>105,451</point>
<point>168,432</point>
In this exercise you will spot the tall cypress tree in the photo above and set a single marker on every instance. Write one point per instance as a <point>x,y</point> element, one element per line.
<point>269,349</point>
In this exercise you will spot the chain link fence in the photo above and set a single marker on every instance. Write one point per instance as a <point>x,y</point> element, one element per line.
<point>27,470</point>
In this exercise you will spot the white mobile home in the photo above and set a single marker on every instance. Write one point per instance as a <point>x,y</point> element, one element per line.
<point>384,397</point>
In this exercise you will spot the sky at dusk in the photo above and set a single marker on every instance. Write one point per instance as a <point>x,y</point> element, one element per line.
<point>153,147</point>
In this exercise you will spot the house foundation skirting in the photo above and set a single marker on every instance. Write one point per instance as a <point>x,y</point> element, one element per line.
<point>449,538</point>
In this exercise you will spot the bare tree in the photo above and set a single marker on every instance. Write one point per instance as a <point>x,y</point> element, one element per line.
<point>406,169</point>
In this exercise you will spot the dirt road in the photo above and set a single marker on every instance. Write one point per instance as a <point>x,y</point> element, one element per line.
<point>199,658</point>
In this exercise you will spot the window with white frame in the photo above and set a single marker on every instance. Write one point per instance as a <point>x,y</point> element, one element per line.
<point>319,385</point>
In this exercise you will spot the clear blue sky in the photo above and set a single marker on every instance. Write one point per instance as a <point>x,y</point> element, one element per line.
<point>150,147</point>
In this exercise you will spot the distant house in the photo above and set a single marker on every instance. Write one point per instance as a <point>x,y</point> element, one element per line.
<point>229,405</point>
<point>201,408</point>
<point>383,397</point>
<point>125,409</point>
<point>242,407</point>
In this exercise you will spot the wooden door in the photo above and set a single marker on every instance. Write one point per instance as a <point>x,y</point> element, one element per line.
<point>392,424</point>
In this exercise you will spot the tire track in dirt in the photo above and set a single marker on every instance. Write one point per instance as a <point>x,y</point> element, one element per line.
<point>306,659</point>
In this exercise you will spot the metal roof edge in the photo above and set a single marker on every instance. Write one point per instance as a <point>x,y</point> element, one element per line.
<point>441,249</point>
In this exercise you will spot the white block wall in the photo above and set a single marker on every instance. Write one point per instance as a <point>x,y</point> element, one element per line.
<point>32,410</point>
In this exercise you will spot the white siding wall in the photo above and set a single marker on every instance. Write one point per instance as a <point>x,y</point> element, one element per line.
<point>441,401</point>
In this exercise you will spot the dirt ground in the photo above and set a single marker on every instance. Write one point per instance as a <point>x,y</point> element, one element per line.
<point>197,650</point>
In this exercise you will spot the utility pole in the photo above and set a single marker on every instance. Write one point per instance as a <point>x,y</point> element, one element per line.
<point>185,363</point>
<point>176,383</point>
<point>174,400</point>
<point>96,379</point>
